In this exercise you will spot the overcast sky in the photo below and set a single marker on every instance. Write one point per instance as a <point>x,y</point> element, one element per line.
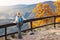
<point>14,2</point>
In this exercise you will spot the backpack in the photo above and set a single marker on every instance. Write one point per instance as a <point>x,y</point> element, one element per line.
<point>20,19</point>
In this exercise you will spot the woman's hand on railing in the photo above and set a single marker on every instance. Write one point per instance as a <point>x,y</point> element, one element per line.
<point>13,21</point>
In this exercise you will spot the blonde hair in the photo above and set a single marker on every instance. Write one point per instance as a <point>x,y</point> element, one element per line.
<point>19,13</point>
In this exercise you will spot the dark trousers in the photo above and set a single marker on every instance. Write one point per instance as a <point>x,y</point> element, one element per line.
<point>19,25</point>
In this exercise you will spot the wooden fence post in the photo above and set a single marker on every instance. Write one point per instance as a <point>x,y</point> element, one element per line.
<point>31,29</point>
<point>5,33</point>
<point>54,22</point>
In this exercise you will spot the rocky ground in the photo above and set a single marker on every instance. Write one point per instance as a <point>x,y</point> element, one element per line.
<point>51,34</point>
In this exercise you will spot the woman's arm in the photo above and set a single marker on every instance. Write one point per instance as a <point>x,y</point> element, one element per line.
<point>23,18</point>
<point>16,20</point>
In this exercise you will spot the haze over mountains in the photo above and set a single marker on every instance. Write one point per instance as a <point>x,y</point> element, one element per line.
<point>10,11</point>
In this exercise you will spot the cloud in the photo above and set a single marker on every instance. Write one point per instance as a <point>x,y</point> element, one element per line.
<point>14,2</point>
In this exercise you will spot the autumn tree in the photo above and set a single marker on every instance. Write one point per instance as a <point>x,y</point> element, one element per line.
<point>48,12</point>
<point>38,10</point>
<point>57,10</point>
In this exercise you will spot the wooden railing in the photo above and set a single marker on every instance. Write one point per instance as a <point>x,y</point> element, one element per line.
<point>25,21</point>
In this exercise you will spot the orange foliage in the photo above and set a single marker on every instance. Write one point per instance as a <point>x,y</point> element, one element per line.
<point>48,12</point>
<point>38,6</point>
<point>39,13</point>
<point>57,10</point>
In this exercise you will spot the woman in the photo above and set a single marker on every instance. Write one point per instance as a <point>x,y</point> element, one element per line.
<point>19,20</point>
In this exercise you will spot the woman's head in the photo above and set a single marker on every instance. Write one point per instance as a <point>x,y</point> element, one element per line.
<point>19,14</point>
